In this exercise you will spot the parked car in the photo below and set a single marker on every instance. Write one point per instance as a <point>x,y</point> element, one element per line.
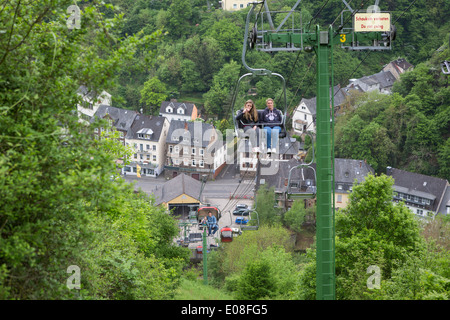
<point>241,220</point>
<point>241,212</point>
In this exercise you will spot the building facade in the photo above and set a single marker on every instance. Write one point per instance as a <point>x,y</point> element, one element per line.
<point>147,136</point>
<point>191,148</point>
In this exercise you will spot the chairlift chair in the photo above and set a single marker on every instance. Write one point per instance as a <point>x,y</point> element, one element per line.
<point>226,234</point>
<point>239,126</point>
<point>303,190</point>
<point>203,212</point>
<point>252,223</point>
<point>445,66</point>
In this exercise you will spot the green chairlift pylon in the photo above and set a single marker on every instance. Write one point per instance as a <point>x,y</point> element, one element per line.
<point>321,42</point>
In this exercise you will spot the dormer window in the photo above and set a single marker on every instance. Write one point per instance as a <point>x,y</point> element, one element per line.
<point>180,111</point>
<point>169,110</point>
<point>145,133</point>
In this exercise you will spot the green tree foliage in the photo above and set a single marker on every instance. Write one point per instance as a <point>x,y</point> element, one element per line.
<point>256,281</point>
<point>297,215</point>
<point>371,230</point>
<point>218,98</point>
<point>265,202</point>
<point>60,205</point>
<point>179,18</point>
<point>229,38</point>
<point>270,247</point>
<point>153,93</point>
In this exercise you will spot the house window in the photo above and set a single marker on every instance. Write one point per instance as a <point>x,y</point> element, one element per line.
<point>202,152</point>
<point>148,147</point>
<point>170,149</point>
<point>180,111</point>
<point>141,156</point>
<point>135,155</point>
<point>419,212</point>
<point>154,157</point>
<point>339,198</point>
<point>148,157</point>
<point>141,147</point>
<point>234,6</point>
<point>193,163</point>
<point>185,150</point>
<point>176,161</point>
<point>202,163</point>
<point>185,161</point>
<point>177,149</point>
<point>193,151</point>
<point>169,110</point>
<point>339,186</point>
<point>154,147</point>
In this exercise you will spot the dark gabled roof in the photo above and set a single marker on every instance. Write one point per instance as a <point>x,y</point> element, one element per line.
<point>146,123</point>
<point>418,184</point>
<point>198,133</point>
<point>181,184</point>
<point>86,93</point>
<point>384,78</point>
<point>347,170</point>
<point>122,118</point>
<point>402,63</point>
<point>187,107</point>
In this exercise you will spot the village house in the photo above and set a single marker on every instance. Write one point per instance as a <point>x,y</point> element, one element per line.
<point>233,5</point>
<point>91,101</point>
<point>147,136</point>
<point>424,195</point>
<point>173,110</point>
<point>398,67</point>
<point>119,119</point>
<point>346,172</point>
<point>304,116</point>
<point>194,148</point>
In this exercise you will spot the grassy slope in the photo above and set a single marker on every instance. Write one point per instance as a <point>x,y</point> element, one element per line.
<point>196,290</point>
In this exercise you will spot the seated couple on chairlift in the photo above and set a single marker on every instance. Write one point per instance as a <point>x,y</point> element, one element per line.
<point>271,118</point>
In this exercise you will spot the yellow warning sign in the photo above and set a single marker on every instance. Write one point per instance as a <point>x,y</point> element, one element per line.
<point>369,22</point>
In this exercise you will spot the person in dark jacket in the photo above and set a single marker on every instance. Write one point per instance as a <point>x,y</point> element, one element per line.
<point>272,119</point>
<point>248,116</point>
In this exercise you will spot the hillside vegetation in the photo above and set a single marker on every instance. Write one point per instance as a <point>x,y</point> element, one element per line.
<point>71,229</point>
